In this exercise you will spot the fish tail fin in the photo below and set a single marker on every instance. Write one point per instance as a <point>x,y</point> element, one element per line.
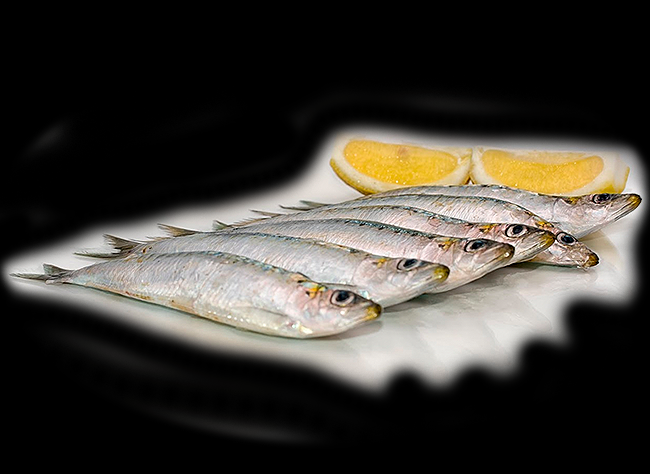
<point>119,243</point>
<point>267,213</point>
<point>313,204</point>
<point>123,246</point>
<point>51,274</point>
<point>174,231</point>
<point>307,205</point>
<point>218,225</point>
<point>250,220</point>
<point>93,254</point>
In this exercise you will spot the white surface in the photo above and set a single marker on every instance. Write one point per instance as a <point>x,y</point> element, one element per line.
<point>435,336</point>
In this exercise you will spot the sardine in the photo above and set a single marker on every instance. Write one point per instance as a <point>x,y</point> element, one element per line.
<point>386,281</point>
<point>467,259</point>
<point>528,241</point>
<point>565,251</point>
<point>226,288</point>
<point>577,215</point>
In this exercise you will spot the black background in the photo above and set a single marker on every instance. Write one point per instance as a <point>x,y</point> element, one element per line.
<point>146,134</point>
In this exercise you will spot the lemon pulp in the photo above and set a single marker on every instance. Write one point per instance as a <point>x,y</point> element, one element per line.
<point>399,164</point>
<point>545,172</point>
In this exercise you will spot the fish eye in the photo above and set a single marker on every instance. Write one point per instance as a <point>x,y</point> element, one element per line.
<point>601,198</point>
<point>342,297</point>
<point>407,263</point>
<point>515,230</point>
<point>475,245</point>
<point>566,238</point>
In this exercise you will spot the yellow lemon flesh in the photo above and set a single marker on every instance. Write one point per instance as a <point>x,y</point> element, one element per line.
<point>371,166</point>
<point>549,172</point>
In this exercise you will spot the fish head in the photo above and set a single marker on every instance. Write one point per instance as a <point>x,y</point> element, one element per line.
<point>527,240</point>
<point>389,281</point>
<point>591,212</point>
<point>567,251</point>
<point>320,310</point>
<point>479,256</point>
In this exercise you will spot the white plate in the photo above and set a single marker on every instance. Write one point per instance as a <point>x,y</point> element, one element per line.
<point>484,323</point>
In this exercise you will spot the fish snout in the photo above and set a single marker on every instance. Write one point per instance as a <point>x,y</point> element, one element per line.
<point>591,261</point>
<point>440,273</point>
<point>372,311</point>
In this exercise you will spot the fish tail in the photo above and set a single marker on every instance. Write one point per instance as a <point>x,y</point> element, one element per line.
<point>91,254</point>
<point>267,213</point>
<point>313,204</point>
<point>123,247</point>
<point>51,274</point>
<point>296,208</point>
<point>218,225</point>
<point>174,231</point>
<point>248,220</point>
<point>307,205</point>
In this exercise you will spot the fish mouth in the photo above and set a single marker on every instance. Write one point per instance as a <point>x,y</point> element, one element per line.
<point>373,311</point>
<point>437,277</point>
<point>592,261</point>
<point>629,202</point>
<point>429,275</point>
<point>440,273</point>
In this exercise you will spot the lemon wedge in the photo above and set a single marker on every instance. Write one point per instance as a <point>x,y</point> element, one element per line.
<point>371,166</point>
<point>565,173</point>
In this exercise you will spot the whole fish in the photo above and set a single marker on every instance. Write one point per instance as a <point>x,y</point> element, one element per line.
<point>527,241</point>
<point>577,215</point>
<point>467,259</point>
<point>565,251</point>
<point>227,288</point>
<point>384,280</point>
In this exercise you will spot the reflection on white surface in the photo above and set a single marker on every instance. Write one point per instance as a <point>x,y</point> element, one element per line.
<point>435,336</point>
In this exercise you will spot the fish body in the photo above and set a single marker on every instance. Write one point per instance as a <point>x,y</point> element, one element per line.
<point>467,259</point>
<point>386,281</point>
<point>528,241</point>
<point>226,288</point>
<point>577,215</point>
<point>565,251</point>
